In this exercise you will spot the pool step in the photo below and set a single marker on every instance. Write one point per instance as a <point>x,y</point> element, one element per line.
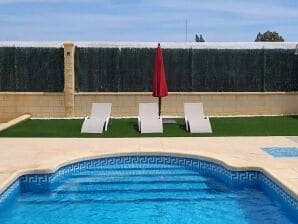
<point>135,190</point>
<point>133,184</point>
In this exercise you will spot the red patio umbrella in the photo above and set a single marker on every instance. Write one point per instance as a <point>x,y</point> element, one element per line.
<point>160,88</point>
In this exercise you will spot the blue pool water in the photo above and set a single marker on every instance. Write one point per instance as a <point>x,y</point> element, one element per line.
<point>143,193</point>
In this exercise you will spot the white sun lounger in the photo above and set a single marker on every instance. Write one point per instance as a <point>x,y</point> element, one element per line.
<point>148,119</point>
<point>99,119</point>
<point>195,120</point>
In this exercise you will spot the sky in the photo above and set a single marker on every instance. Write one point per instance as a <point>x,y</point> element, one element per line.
<point>146,20</point>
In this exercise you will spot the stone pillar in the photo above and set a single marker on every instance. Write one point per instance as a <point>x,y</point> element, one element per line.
<point>69,78</point>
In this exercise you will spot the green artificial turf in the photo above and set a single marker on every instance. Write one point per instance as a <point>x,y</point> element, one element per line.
<point>232,126</point>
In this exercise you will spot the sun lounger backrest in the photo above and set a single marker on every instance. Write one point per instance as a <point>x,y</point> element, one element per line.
<point>193,110</point>
<point>101,110</point>
<point>148,110</point>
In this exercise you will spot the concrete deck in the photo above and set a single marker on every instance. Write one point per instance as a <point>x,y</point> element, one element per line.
<point>20,156</point>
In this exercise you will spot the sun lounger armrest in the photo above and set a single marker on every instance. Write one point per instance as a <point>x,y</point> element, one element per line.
<point>107,123</point>
<point>139,123</point>
<point>186,123</point>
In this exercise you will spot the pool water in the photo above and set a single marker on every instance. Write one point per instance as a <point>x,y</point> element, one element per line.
<point>144,193</point>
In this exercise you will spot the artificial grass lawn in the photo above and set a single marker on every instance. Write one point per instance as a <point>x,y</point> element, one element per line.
<point>232,126</point>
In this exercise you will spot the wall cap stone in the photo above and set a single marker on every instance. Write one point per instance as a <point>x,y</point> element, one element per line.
<point>4,126</point>
<point>145,93</point>
<point>181,45</point>
<point>33,93</point>
<point>183,93</point>
<point>193,45</point>
<point>68,44</point>
<point>50,44</point>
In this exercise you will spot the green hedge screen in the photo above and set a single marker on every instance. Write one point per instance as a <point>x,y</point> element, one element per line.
<point>225,70</point>
<point>130,69</point>
<point>31,69</point>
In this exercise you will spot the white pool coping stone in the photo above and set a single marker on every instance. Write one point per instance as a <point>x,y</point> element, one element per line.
<point>19,156</point>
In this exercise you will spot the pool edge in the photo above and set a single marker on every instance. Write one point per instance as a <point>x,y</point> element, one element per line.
<point>16,175</point>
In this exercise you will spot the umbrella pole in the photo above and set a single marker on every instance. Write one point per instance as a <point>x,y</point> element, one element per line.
<point>159,106</point>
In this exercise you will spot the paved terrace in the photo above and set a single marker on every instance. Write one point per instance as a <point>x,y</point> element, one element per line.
<point>20,156</point>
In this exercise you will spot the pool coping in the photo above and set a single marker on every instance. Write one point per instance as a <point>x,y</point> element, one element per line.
<point>217,159</point>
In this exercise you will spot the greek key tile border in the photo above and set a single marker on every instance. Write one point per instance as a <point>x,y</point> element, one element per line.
<point>35,182</point>
<point>44,182</point>
<point>205,167</point>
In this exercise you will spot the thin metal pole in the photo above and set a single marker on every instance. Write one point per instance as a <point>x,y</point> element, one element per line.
<point>159,106</point>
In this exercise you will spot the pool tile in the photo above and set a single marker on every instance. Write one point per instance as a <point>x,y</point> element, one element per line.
<point>282,151</point>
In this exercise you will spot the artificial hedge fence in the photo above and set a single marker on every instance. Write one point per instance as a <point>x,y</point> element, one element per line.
<point>31,69</point>
<point>130,69</point>
<point>191,70</point>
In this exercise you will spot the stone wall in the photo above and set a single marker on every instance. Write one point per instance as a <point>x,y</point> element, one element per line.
<point>73,104</point>
<point>126,104</point>
<point>37,104</point>
<point>215,104</point>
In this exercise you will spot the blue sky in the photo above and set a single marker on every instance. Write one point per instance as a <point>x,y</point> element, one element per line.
<point>146,20</point>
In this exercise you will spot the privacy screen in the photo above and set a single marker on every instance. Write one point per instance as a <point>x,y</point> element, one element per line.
<point>31,69</point>
<point>130,70</point>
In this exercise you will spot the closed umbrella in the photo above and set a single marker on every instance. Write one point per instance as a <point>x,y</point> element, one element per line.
<point>160,88</point>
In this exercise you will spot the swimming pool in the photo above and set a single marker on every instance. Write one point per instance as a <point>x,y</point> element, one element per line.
<point>146,189</point>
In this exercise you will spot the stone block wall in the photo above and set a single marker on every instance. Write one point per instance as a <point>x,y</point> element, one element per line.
<point>37,104</point>
<point>126,104</point>
<point>215,104</point>
<point>78,104</point>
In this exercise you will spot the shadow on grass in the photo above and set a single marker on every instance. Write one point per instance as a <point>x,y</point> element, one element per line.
<point>294,117</point>
<point>136,127</point>
<point>182,127</point>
